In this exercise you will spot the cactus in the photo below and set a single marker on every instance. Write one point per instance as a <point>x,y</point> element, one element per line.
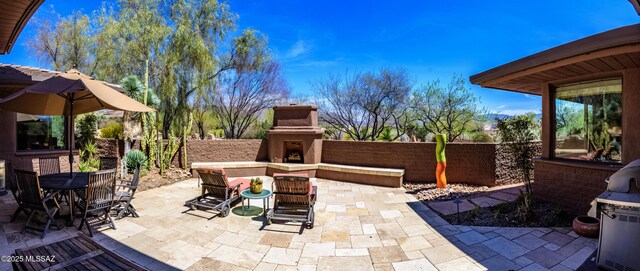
<point>186,131</point>
<point>169,151</point>
<point>149,143</point>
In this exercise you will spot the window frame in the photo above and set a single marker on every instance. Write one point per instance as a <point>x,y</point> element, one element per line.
<point>47,151</point>
<point>553,87</point>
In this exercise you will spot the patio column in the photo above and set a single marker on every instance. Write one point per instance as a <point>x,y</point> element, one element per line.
<point>548,136</point>
<point>630,113</point>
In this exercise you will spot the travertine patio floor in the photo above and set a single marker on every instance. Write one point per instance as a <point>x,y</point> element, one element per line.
<point>358,227</point>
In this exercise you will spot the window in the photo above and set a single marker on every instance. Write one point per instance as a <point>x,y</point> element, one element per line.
<point>589,121</point>
<point>40,132</point>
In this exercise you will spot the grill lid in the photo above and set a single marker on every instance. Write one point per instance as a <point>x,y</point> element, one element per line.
<point>623,179</point>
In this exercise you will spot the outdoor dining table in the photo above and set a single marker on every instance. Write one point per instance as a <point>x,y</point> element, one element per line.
<point>61,182</point>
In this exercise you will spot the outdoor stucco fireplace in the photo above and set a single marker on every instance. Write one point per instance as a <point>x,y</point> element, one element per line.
<point>295,136</point>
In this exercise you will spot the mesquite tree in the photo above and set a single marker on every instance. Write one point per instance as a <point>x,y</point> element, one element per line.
<point>445,110</point>
<point>363,105</point>
<point>244,94</point>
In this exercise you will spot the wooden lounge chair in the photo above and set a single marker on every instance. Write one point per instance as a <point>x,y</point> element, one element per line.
<point>108,163</point>
<point>217,192</point>
<point>295,197</point>
<point>49,165</point>
<point>34,201</point>
<point>125,191</point>
<point>98,200</point>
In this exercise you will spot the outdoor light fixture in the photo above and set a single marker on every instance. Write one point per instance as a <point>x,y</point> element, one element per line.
<point>457,202</point>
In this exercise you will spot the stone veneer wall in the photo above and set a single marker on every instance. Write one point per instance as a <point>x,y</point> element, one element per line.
<point>504,164</point>
<point>572,185</point>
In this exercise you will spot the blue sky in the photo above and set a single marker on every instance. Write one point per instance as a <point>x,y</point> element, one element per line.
<point>431,39</point>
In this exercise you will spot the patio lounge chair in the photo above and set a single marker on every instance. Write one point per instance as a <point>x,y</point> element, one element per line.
<point>12,184</point>
<point>34,200</point>
<point>217,192</point>
<point>98,200</point>
<point>295,197</point>
<point>125,191</point>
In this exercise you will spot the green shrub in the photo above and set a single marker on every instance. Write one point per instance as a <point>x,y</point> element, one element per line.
<point>88,160</point>
<point>86,128</point>
<point>113,130</point>
<point>218,133</point>
<point>482,137</point>
<point>133,158</point>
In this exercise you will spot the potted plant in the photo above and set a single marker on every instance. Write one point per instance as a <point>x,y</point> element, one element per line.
<point>256,185</point>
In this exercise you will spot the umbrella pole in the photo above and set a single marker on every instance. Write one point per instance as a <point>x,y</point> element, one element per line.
<point>71,128</point>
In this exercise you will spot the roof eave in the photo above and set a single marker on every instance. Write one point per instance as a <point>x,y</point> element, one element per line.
<point>618,37</point>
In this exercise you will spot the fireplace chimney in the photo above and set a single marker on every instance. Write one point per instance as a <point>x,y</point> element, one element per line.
<point>295,136</point>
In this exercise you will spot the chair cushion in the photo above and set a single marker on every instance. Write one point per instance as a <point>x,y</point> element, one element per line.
<point>244,183</point>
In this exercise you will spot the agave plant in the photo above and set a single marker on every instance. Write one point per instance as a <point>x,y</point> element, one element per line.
<point>135,157</point>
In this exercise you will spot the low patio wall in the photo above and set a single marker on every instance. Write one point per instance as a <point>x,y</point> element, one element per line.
<point>473,163</point>
<point>233,150</point>
<point>572,185</point>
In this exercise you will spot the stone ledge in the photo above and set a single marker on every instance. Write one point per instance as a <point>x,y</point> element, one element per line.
<point>251,164</point>
<point>292,167</point>
<point>391,172</point>
<point>362,170</point>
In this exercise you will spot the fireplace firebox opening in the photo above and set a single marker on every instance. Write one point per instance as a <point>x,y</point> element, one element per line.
<point>293,152</point>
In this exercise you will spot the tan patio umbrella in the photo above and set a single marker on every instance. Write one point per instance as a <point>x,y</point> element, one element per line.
<point>67,94</point>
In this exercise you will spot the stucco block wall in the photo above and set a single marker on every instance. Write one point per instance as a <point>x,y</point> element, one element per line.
<point>571,185</point>
<point>466,162</point>
<point>236,150</point>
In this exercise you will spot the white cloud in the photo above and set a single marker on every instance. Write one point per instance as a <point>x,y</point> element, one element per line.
<point>502,106</point>
<point>297,49</point>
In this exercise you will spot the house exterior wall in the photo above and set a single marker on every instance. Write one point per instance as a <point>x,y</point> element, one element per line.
<point>26,160</point>
<point>574,184</point>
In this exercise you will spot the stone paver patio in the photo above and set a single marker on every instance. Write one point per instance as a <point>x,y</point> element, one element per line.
<point>358,227</point>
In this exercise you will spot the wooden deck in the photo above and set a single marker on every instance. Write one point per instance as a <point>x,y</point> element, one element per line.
<point>76,253</point>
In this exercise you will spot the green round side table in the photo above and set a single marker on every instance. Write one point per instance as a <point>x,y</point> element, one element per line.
<point>264,195</point>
